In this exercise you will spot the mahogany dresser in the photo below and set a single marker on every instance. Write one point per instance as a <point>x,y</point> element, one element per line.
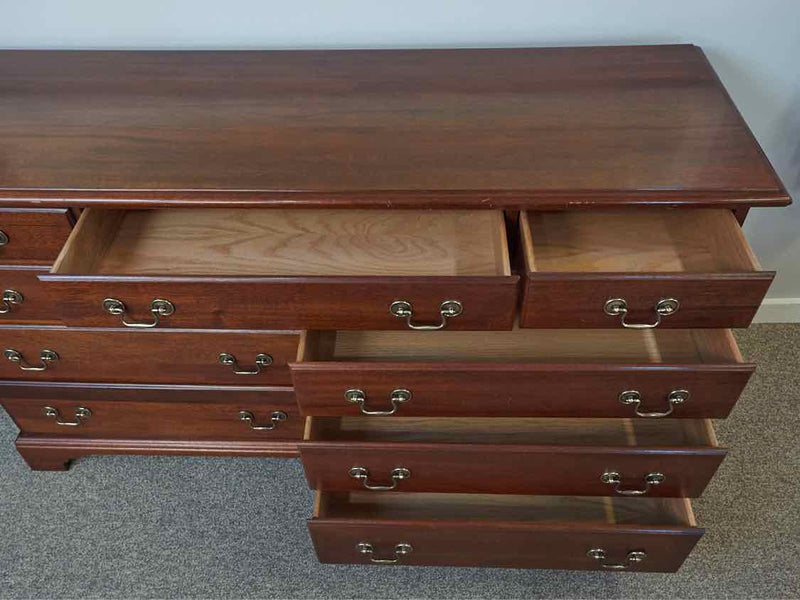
<point>483,295</point>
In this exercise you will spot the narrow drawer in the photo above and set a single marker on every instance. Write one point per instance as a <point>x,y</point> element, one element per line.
<point>24,299</point>
<point>33,236</point>
<point>614,269</point>
<point>262,416</point>
<point>147,356</point>
<point>307,269</point>
<point>528,532</point>
<point>524,373</point>
<point>580,457</point>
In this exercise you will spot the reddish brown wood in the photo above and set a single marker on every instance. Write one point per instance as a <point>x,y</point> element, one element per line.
<point>289,302</point>
<point>148,356</point>
<point>717,300</point>
<point>522,545</point>
<point>36,307</point>
<point>35,235</point>
<point>161,420</point>
<point>509,468</point>
<point>489,126</point>
<point>48,453</point>
<point>522,390</point>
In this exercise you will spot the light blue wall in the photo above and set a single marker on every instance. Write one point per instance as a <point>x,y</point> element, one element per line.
<point>753,44</point>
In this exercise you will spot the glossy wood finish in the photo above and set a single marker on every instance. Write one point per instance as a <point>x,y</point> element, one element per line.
<point>469,128</point>
<point>35,235</point>
<point>511,455</point>
<point>36,306</point>
<point>149,356</point>
<point>525,373</point>
<point>575,262</point>
<point>152,420</point>
<point>503,531</point>
<point>49,453</point>
<point>423,258</point>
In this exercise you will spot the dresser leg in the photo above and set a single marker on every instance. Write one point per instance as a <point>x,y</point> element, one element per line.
<point>45,459</point>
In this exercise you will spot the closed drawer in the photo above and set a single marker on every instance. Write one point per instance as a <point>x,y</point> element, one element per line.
<point>524,372</point>
<point>264,416</point>
<point>504,531</point>
<point>24,298</point>
<point>33,235</point>
<point>319,269</point>
<point>671,268</point>
<point>582,457</point>
<point>147,356</point>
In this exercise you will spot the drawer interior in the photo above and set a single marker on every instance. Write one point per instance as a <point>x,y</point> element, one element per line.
<point>636,241</point>
<point>505,430</point>
<point>496,507</point>
<point>279,242</point>
<point>586,346</point>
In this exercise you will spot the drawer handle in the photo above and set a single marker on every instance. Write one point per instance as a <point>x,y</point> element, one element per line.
<point>634,397</point>
<point>81,415</point>
<point>615,479</point>
<point>448,309</point>
<point>11,298</point>
<point>262,360</point>
<point>275,418</point>
<point>3,238</point>
<point>633,557</point>
<point>618,307</point>
<point>46,356</point>
<point>400,550</point>
<point>158,307</point>
<point>398,396</point>
<point>362,473</point>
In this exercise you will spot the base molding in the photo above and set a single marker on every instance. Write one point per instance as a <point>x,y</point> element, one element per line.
<point>778,310</point>
<point>47,453</point>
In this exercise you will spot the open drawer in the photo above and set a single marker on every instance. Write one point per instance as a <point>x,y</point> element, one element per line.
<point>524,372</point>
<point>576,457</point>
<point>265,268</point>
<point>528,532</point>
<point>638,268</point>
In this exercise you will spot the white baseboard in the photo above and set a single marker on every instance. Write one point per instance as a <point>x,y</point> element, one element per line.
<point>779,310</point>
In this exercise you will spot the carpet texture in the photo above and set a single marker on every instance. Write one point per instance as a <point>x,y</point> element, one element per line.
<point>168,527</point>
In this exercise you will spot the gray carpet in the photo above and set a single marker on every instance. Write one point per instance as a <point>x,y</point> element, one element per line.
<point>170,527</point>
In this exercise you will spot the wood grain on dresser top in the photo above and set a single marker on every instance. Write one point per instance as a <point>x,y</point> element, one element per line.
<point>439,128</point>
<point>524,372</point>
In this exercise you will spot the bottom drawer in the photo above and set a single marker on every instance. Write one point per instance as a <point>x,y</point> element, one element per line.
<point>533,532</point>
<point>244,416</point>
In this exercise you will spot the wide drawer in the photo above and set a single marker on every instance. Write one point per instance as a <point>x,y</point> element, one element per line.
<point>147,356</point>
<point>524,372</point>
<point>257,415</point>
<point>638,268</point>
<point>531,532</point>
<point>33,235</point>
<point>581,457</point>
<point>24,299</point>
<point>318,269</point>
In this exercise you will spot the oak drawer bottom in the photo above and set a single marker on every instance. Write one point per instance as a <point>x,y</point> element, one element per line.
<point>50,453</point>
<point>553,532</point>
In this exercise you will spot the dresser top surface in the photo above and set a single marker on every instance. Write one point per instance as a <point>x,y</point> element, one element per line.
<point>510,128</point>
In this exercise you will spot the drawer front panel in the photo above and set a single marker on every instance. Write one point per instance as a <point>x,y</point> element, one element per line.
<point>513,545</point>
<point>160,420</point>
<point>578,300</point>
<point>512,469</point>
<point>148,356</point>
<point>303,303</point>
<point>490,390</point>
<point>33,236</point>
<point>30,304</point>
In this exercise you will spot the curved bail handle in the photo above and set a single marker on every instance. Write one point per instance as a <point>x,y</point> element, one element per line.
<point>449,309</point>
<point>158,308</point>
<point>359,397</point>
<point>618,307</point>
<point>634,398</point>
<point>614,478</point>
<point>362,473</point>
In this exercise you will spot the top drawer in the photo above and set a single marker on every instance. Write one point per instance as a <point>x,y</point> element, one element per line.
<point>639,269</point>
<point>33,236</point>
<point>268,268</point>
